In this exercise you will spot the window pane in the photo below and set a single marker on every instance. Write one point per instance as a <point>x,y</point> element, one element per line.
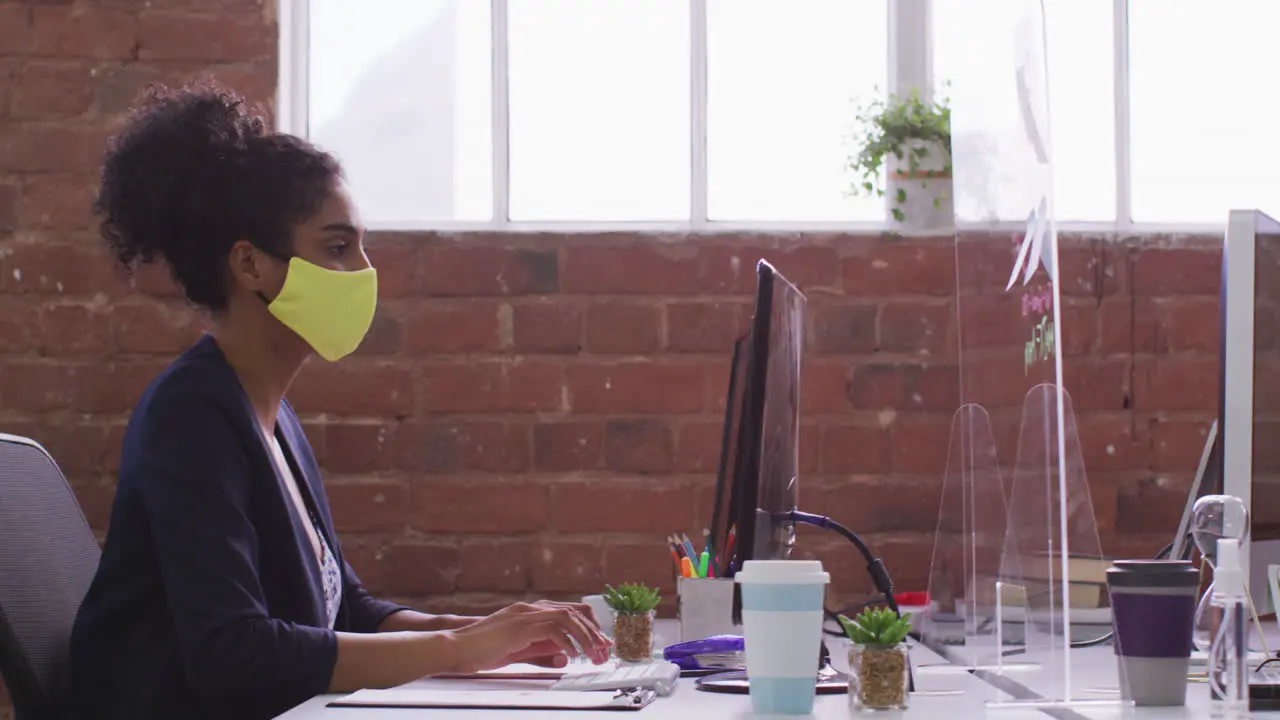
<point>1202,81</point>
<point>784,80</point>
<point>1081,94</point>
<point>599,95</point>
<point>400,92</point>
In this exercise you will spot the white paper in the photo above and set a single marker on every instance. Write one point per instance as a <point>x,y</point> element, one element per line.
<point>404,697</point>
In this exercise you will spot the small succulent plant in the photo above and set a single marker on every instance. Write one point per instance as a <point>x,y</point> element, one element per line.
<point>632,598</point>
<point>880,627</point>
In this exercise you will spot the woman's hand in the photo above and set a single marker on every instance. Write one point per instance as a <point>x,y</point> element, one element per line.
<point>543,633</point>
<point>543,653</point>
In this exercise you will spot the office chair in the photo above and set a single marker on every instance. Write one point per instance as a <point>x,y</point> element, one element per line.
<point>48,556</point>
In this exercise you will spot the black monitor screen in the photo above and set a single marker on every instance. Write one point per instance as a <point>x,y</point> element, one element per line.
<point>1265,490</point>
<point>780,426</point>
<point>766,460</point>
<point>727,499</point>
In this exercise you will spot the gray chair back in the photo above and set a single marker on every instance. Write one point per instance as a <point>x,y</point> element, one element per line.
<point>48,556</point>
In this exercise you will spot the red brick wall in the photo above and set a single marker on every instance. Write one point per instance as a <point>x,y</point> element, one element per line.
<point>532,413</point>
<point>68,70</point>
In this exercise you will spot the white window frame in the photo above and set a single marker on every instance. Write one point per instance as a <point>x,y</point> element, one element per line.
<point>910,65</point>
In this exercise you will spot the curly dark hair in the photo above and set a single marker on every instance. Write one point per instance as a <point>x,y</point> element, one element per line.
<point>195,170</point>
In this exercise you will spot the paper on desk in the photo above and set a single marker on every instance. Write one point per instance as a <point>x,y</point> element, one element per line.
<point>522,699</point>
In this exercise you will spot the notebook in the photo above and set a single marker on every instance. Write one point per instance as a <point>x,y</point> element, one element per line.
<point>497,699</point>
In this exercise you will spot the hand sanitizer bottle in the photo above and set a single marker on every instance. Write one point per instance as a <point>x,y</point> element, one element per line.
<point>1229,653</point>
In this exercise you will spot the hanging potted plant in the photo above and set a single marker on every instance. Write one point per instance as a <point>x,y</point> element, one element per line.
<point>879,673</point>
<point>633,606</point>
<point>904,155</point>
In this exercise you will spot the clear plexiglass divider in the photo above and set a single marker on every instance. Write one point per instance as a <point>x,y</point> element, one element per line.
<point>1051,585</point>
<point>1029,582</point>
<point>968,547</point>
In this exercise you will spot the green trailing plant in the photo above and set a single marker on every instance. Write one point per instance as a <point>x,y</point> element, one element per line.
<point>632,598</point>
<point>906,128</point>
<point>879,627</point>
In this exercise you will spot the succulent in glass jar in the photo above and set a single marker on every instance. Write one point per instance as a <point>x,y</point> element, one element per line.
<point>633,606</point>
<point>878,664</point>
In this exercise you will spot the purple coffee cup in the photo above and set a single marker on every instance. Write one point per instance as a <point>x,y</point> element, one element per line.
<point>1153,609</point>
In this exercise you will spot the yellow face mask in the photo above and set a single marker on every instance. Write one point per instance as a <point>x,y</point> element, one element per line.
<point>331,310</point>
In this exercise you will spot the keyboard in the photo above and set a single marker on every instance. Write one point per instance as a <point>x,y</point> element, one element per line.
<point>1200,659</point>
<point>659,676</point>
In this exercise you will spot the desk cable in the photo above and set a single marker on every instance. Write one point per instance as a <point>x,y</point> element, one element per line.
<point>875,566</point>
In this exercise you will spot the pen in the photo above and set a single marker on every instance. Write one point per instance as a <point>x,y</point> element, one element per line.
<point>703,563</point>
<point>728,551</point>
<point>709,567</point>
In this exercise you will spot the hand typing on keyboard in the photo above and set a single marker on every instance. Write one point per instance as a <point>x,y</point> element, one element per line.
<point>542,633</point>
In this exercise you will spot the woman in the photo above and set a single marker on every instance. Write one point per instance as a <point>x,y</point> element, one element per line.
<point>222,590</point>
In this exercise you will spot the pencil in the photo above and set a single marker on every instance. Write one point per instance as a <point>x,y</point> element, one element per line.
<point>676,545</point>
<point>728,551</point>
<point>689,546</point>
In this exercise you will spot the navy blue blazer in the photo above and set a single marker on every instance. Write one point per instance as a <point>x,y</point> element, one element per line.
<point>208,601</point>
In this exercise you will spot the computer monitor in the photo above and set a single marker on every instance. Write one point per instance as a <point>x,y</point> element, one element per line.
<point>1250,389</point>
<point>780,322</point>
<point>757,490</point>
<point>759,464</point>
<point>724,515</point>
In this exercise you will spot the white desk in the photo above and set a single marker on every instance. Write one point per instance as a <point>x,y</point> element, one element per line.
<point>943,693</point>
<point>1095,676</point>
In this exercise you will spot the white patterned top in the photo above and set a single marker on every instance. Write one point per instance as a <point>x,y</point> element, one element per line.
<point>330,573</point>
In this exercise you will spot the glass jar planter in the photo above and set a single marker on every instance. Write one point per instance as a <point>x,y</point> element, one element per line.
<point>633,637</point>
<point>878,677</point>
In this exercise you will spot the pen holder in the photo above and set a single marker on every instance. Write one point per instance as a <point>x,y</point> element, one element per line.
<point>704,607</point>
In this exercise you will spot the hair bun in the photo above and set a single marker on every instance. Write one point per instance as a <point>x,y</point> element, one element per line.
<point>194,170</point>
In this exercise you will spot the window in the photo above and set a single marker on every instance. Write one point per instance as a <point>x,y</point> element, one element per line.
<point>976,46</point>
<point>400,91</point>
<point>599,97</point>
<point>672,112</point>
<point>740,112</point>
<point>1202,82</point>
<point>1082,102</point>
<point>782,82</point>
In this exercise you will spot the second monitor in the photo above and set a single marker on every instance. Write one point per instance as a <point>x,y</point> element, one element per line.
<point>758,485</point>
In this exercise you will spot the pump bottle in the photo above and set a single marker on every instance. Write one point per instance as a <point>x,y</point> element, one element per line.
<point>1229,653</point>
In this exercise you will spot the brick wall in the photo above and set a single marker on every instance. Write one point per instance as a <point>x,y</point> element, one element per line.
<point>68,70</point>
<point>532,413</point>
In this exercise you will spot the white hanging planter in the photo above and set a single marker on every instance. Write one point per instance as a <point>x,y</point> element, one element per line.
<point>923,195</point>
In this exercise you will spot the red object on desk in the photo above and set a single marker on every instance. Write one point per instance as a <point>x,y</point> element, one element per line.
<point>912,599</point>
<point>726,555</point>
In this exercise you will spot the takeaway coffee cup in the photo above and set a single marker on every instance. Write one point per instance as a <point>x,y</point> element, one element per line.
<point>600,608</point>
<point>782,631</point>
<point>1153,608</point>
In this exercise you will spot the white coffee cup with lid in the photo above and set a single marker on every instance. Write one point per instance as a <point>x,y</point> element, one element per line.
<point>602,611</point>
<point>782,606</point>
